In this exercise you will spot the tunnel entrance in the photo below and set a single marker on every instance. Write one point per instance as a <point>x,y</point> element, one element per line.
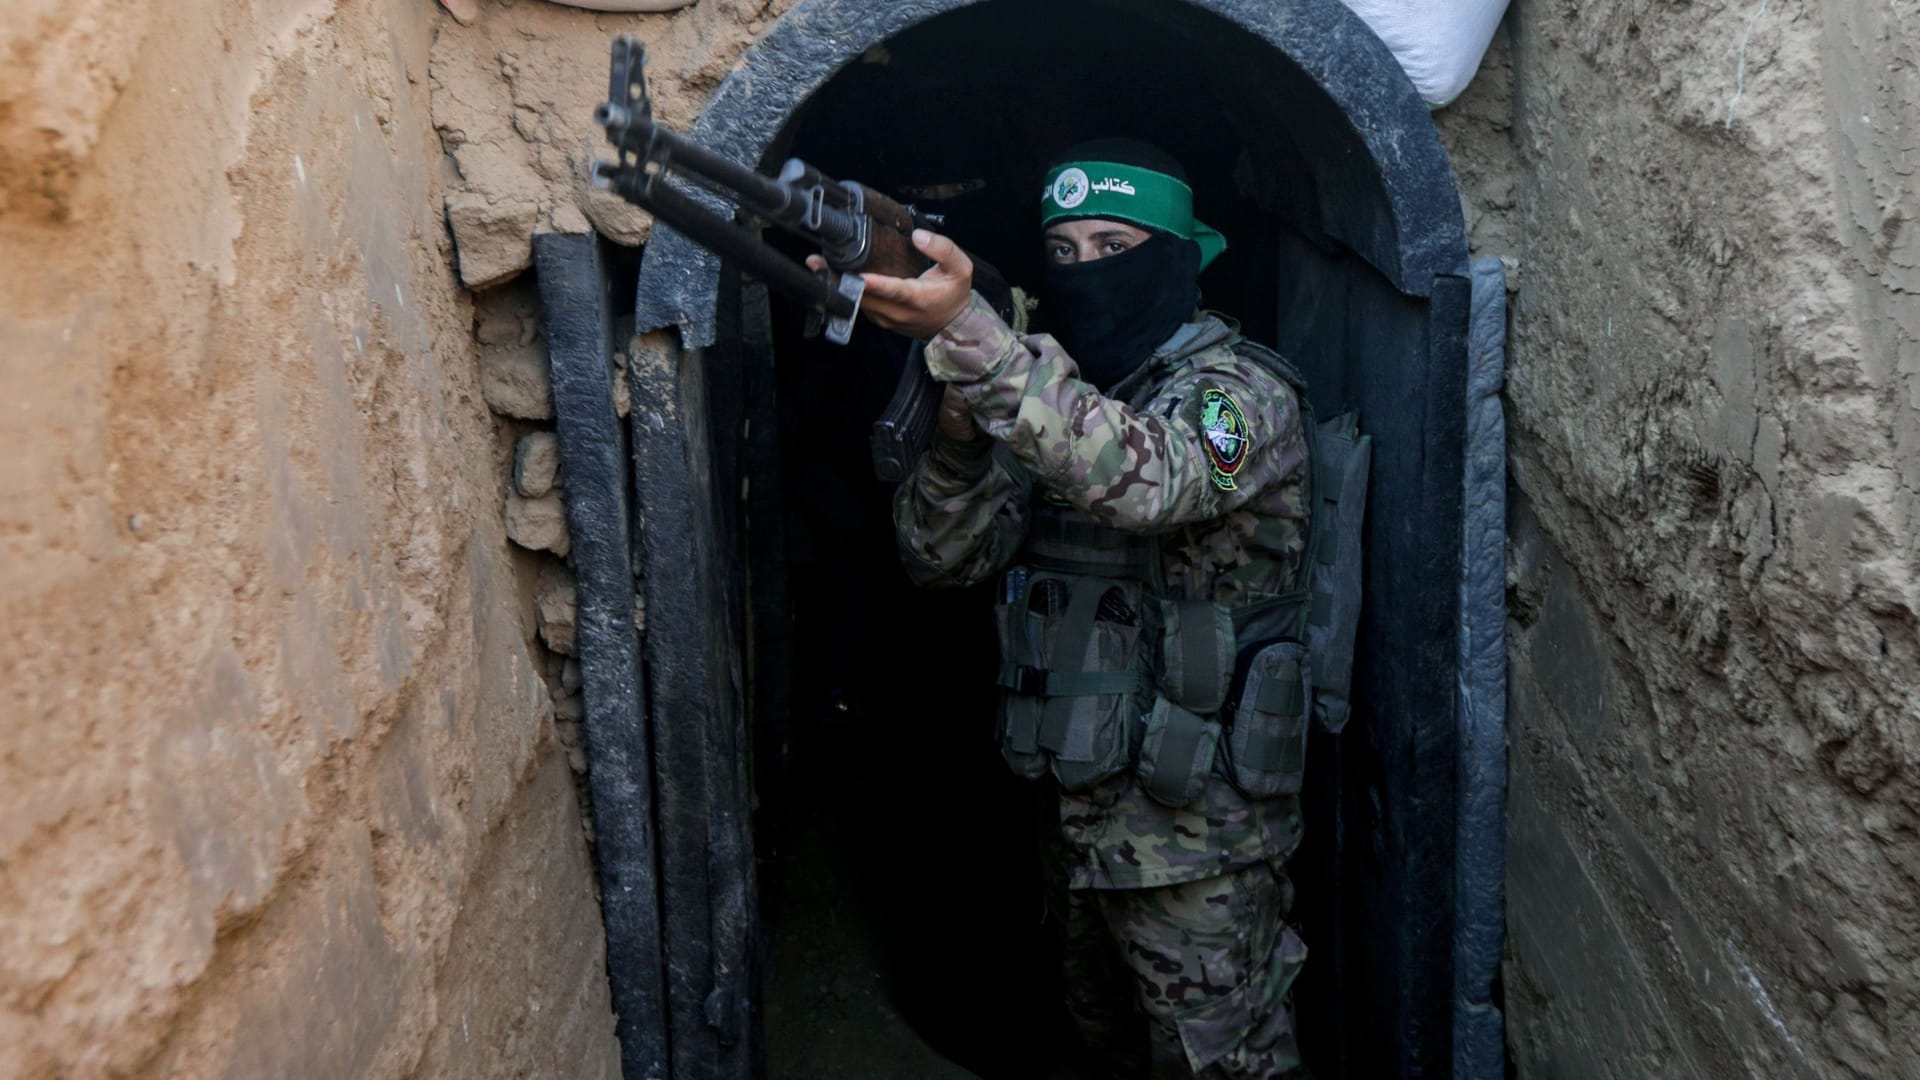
<point>881,777</point>
<point>817,735</point>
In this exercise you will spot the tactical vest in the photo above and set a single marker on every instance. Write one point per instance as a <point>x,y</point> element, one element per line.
<point>1103,671</point>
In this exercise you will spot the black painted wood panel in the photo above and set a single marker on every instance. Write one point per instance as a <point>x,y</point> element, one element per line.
<point>577,297</point>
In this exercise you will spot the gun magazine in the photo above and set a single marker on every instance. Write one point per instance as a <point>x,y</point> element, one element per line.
<point>905,428</point>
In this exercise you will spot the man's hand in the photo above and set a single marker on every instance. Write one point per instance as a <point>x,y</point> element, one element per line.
<point>918,306</point>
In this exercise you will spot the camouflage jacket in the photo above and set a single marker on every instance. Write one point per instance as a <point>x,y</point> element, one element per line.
<point>1207,451</point>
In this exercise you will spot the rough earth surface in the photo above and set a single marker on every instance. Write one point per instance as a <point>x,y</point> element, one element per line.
<point>513,97</point>
<point>1714,400</point>
<point>282,785</point>
<point>287,792</point>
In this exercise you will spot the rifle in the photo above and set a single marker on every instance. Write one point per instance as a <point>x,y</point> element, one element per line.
<point>854,227</point>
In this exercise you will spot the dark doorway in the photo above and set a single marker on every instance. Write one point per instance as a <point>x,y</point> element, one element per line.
<point>899,895</point>
<point>862,703</point>
<point>885,780</point>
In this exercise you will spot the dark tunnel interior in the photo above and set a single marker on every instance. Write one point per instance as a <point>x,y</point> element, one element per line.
<point>882,799</point>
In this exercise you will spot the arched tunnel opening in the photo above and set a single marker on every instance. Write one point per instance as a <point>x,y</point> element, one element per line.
<point>833,841</point>
<point>901,864</point>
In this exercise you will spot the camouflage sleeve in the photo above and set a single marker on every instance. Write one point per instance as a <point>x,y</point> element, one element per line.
<point>1229,431</point>
<point>961,515</point>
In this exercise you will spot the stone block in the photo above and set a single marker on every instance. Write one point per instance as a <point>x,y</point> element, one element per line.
<point>516,382</point>
<point>497,324</point>
<point>494,239</point>
<point>538,524</point>
<point>567,218</point>
<point>622,396</point>
<point>556,607</point>
<point>536,463</point>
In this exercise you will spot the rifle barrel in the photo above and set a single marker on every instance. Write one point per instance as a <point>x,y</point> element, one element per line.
<point>709,230</point>
<point>755,192</point>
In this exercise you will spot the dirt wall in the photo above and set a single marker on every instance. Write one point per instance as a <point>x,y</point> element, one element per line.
<point>283,787</point>
<point>1708,211</point>
<point>279,782</point>
<point>514,89</point>
<point>1714,399</point>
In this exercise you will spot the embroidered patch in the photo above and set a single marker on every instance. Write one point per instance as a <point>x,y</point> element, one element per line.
<point>1227,436</point>
<point>1070,188</point>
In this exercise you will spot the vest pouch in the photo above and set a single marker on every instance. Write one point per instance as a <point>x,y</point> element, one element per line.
<point>1176,754</point>
<point>1197,654</point>
<point>1070,675</point>
<point>1019,714</point>
<point>1094,687</point>
<point>1266,752</point>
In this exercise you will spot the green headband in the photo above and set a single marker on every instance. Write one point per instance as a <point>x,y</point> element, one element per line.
<point>1104,189</point>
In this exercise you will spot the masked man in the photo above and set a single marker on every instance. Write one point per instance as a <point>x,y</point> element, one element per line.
<point>1140,482</point>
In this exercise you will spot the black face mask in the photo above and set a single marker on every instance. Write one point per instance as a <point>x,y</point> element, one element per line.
<point>1113,312</point>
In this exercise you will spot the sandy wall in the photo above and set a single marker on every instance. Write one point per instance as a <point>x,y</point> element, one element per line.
<point>1708,211</point>
<point>279,787</point>
<point>514,89</point>
<point>282,788</point>
<point>1715,407</point>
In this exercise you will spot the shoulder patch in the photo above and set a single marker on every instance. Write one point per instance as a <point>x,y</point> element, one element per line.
<point>1228,439</point>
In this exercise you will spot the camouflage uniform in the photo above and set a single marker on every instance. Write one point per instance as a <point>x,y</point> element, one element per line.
<point>1194,896</point>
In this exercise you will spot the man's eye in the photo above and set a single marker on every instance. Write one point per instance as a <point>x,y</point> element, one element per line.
<point>1115,247</point>
<point>1059,252</point>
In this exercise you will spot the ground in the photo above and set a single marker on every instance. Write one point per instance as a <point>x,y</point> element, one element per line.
<point>829,1010</point>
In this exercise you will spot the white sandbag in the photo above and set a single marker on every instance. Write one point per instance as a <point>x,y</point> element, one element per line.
<point>1438,44</point>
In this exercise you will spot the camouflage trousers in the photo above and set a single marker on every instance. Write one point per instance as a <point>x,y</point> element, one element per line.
<point>1209,963</point>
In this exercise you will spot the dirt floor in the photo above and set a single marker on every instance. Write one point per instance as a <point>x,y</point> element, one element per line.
<point>829,1010</point>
